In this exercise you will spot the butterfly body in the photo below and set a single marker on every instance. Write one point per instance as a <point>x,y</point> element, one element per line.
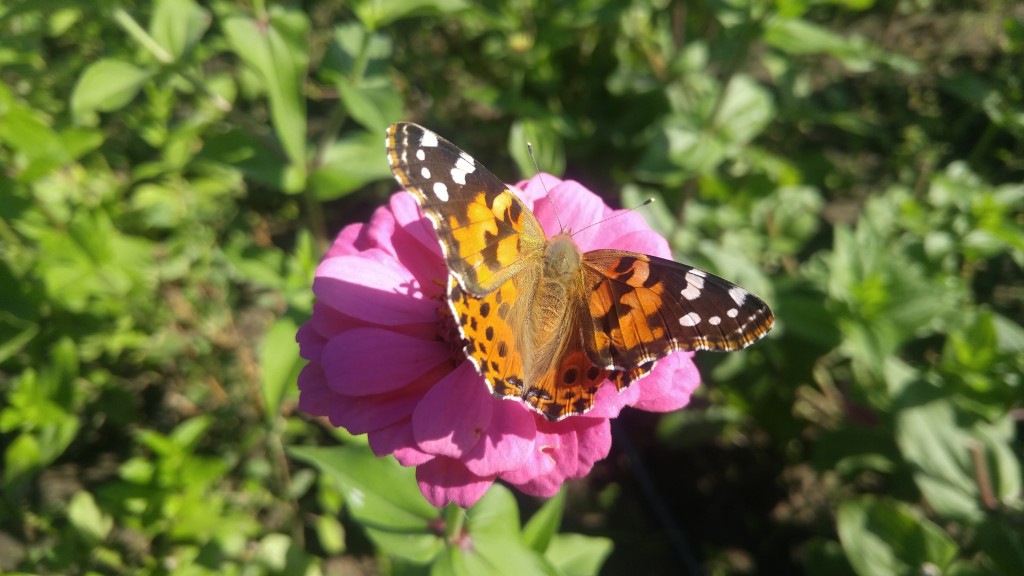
<point>544,322</point>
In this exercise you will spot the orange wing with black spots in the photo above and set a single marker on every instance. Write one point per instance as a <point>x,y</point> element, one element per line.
<point>485,230</point>
<point>491,340</point>
<point>644,308</point>
<point>558,384</point>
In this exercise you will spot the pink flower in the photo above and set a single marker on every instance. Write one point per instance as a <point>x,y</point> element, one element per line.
<point>382,360</point>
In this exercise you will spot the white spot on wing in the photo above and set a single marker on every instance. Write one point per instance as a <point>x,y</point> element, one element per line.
<point>428,140</point>
<point>714,320</point>
<point>463,166</point>
<point>738,295</point>
<point>694,284</point>
<point>732,313</point>
<point>691,319</point>
<point>441,191</point>
<point>425,172</point>
<point>420,154</point>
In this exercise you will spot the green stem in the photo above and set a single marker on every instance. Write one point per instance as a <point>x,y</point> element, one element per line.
<point>454,520</point>
<point>327,137</point>
<point>122,17</point>
<point>162,56</point>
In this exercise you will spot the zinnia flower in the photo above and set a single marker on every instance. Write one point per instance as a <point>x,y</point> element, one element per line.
<point>384,359</point>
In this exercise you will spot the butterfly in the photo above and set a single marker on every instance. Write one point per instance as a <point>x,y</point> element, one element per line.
<point>543,322</point>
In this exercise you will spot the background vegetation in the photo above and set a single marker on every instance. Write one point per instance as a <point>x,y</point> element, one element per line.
<point>172,172</point>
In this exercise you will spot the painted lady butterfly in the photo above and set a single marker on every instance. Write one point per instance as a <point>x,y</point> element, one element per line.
<point>544,323</point>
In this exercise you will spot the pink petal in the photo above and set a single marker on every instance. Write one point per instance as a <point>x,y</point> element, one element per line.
<point>609,402</point>
<point>532,190</point>
<point>411,221</point>
<point>311,344</point>
<point>314,395</point>
<point>508,442</point>
<point>670,385</point>
<point>360,415</point>
<point>575,208</point>
<point>372,288</point>
<point>395,438</point>
<point>453,414</point>
<point>445,480</point>
<point>642,241</point>
<point>345,243</point>
<point>581,442</point>
<point>366,361</point>
<point>409,456</point>
<point>379,231</point>
<point>553,454</point>
<point>326,322</point>
<point>594,441</point>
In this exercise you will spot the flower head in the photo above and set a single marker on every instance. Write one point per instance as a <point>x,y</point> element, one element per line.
<point>384,361</point>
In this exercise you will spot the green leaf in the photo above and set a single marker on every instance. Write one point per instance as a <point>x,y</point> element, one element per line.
<point>374,107</point>
<point>374,13</point>
<point>88,520</point>
<point>681,147</point>
<point>21,456</point>
<point>744,112</point>
<point>279,554</point>
<point>273,551</point>
<point>931,438</point>
<point>882,537</point>
<point>188,434</point>
<point>497,548</point>
<point>579,555</point>
<point>1001,539</point>
<point>996,442</point>
<point>798,36</point>
<point>330,534</point>
<point>28,132</point>
<point>547,146</point>
<point>178,25</point>
<point>107,85</point>
<point>280,365</point>
<point>15,334</point>
<point>382,496</point>
<point>160,206</point>
<point>349,164</point>
<point>252,156</point>
<point>278,51</point>
<point>359,56</point>
<point>543,525</point>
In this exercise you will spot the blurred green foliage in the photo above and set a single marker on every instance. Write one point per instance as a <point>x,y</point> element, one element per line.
<point>173,170</point>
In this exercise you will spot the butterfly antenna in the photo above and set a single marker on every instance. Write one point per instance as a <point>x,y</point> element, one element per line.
<point>647,202</point>
<point>536,168</point>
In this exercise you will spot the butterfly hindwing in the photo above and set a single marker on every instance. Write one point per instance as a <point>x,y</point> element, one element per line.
<point>644,307</point>
<point>483,227</point>
<point>557,384</point>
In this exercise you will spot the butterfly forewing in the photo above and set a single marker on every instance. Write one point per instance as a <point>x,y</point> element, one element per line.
<point>644,307</point>
<point>482,226</point>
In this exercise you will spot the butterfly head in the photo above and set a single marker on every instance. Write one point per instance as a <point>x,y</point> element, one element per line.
<point>561,257</point>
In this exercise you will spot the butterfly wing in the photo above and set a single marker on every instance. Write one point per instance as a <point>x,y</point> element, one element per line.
<point>486,232</point>
<point>644,307</point>
<point>557,381</point>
